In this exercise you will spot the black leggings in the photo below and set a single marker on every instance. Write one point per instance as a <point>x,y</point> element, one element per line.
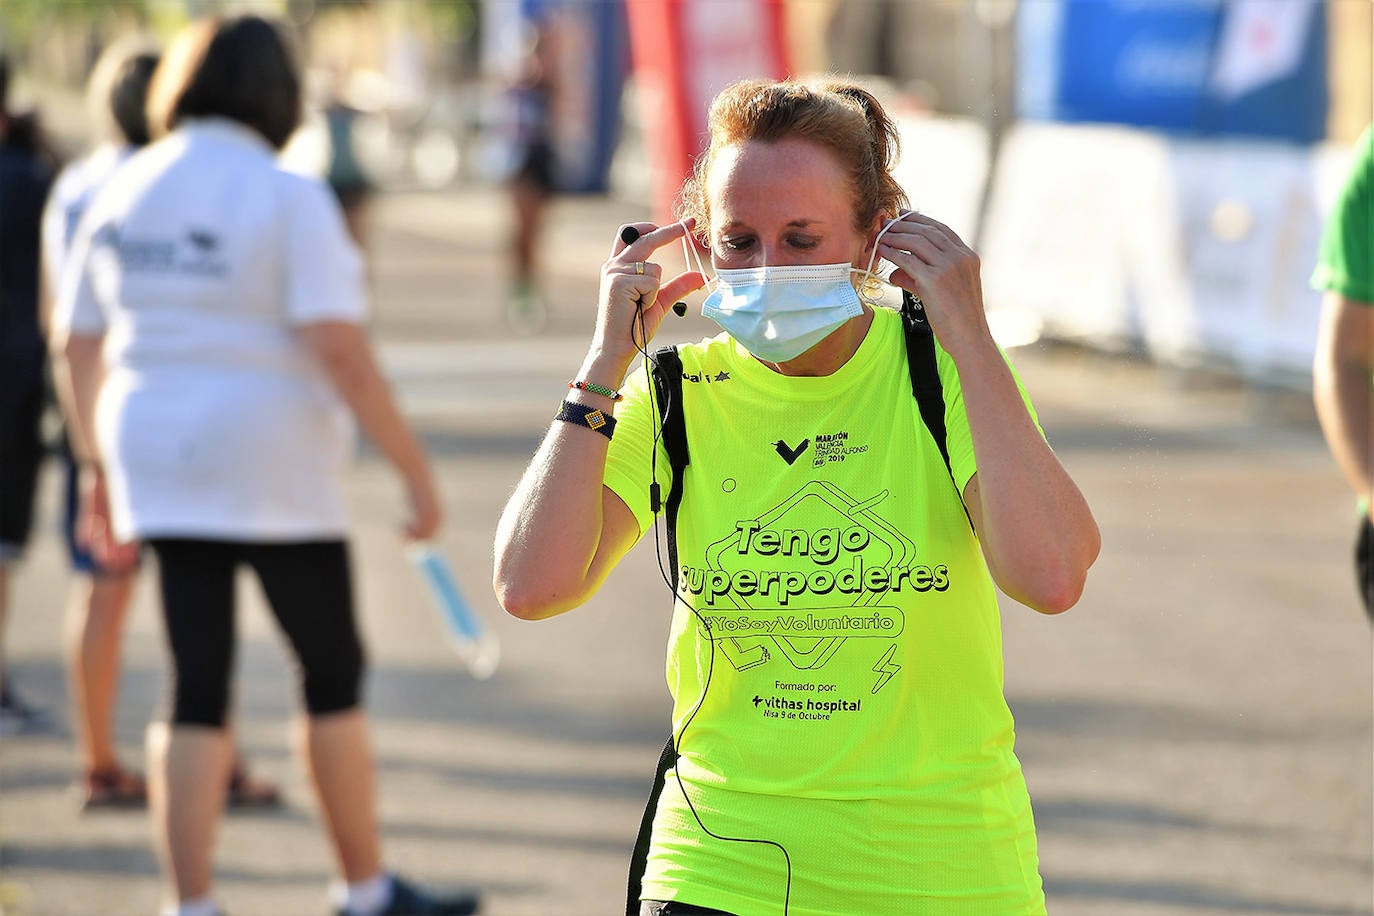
<point>309,589</point>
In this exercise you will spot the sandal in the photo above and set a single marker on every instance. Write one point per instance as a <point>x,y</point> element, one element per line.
<point>247,792</point>
<point>113,788</point>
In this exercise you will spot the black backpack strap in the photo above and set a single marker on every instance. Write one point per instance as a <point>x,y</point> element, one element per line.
<point>925,379</point>
<point>666,372</point>
<point>639,858</point>
<point>667,378</point>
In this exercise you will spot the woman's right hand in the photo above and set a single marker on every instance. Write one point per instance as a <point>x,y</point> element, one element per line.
<point>94,530</point>
<point>631,283</point>
<point>425,514</point>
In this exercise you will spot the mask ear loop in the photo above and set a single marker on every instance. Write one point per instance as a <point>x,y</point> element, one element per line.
<point>690,253</point>
<point>872,259</point>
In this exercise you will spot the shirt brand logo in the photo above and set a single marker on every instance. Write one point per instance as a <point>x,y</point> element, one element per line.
<point>203,239</point>
<point>788,453</point>
<point>708,378</point>
<point>196,254</point>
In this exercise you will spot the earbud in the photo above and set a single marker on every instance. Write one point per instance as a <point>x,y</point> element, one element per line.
<point>629,235</point>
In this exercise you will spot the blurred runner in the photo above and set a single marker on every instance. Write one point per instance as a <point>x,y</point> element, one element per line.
<point>345,173</point>
<point>26,174</point>
<point>533,182</point>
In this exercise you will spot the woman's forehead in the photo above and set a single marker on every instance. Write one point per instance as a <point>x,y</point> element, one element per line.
<point>793,176</point>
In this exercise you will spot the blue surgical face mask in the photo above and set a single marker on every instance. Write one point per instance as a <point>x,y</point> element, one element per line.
<point>778,313</point>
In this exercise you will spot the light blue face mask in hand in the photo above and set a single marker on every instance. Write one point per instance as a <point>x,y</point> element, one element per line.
<point>778,313</point>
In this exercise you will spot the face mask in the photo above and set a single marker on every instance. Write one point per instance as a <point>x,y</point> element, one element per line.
<point>778,313</point>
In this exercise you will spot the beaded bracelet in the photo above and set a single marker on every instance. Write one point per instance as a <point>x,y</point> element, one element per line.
<point>586,415</point>
<point>594,388</point>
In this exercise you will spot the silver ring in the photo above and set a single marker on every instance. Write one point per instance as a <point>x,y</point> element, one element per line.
<point>639,267</point>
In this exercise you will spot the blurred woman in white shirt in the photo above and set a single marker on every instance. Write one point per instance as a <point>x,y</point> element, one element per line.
<point>101,592</point>
<point>209,336</point>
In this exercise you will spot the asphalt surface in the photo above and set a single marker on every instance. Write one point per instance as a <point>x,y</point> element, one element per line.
<point>1196,733</point>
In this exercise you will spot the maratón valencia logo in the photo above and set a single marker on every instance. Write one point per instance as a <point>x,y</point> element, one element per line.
<point>790,453</point>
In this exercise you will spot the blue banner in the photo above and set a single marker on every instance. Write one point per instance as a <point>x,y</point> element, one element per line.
<point>1205,67</point>
<point>592,55</point>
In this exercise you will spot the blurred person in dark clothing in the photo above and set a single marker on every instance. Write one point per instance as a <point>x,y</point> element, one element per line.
<point>533,180</point>
<point>95,626</point>
<point>344,173</point>
<point>26,174</point>
<point>211,350</point>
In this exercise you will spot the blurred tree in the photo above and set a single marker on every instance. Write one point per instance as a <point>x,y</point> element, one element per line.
<point>59,40</point>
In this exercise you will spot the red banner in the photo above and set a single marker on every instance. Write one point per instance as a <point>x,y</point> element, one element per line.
<point>683,53</point>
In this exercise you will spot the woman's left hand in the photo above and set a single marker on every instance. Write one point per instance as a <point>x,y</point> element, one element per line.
<point>935,264</point>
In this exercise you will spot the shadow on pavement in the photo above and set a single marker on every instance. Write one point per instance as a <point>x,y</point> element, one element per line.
<point>1116,720</point>
<point>555,780</point>
<point>1099,818</point>
<point>126,859</point>
<point>521,838</point>
<point>511,703</point>
<point>1184,894</point>
<point>114,858</point>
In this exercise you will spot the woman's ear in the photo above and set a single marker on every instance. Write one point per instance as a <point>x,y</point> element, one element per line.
<point>880,221</point>
<point>871,234</point>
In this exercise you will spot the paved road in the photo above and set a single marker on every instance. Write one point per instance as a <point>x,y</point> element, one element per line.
<point>1196,733</point>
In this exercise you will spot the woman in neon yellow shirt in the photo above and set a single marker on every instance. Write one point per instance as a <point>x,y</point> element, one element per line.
<point>842,742</point>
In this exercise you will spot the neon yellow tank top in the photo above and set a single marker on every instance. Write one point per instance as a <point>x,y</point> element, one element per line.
<point>850,697</point>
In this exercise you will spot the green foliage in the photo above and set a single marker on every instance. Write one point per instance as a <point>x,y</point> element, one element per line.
<point>452,20</point>
<point>26,24</point>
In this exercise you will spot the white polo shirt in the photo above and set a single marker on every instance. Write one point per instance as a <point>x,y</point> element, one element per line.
<point>71,194</point>
<point>197,262</point>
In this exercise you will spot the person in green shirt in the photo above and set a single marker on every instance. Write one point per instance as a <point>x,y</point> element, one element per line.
<point>1343,368</point>
<point>842,741</point>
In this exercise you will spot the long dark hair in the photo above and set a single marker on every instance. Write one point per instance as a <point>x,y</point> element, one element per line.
<point>243,68</point>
